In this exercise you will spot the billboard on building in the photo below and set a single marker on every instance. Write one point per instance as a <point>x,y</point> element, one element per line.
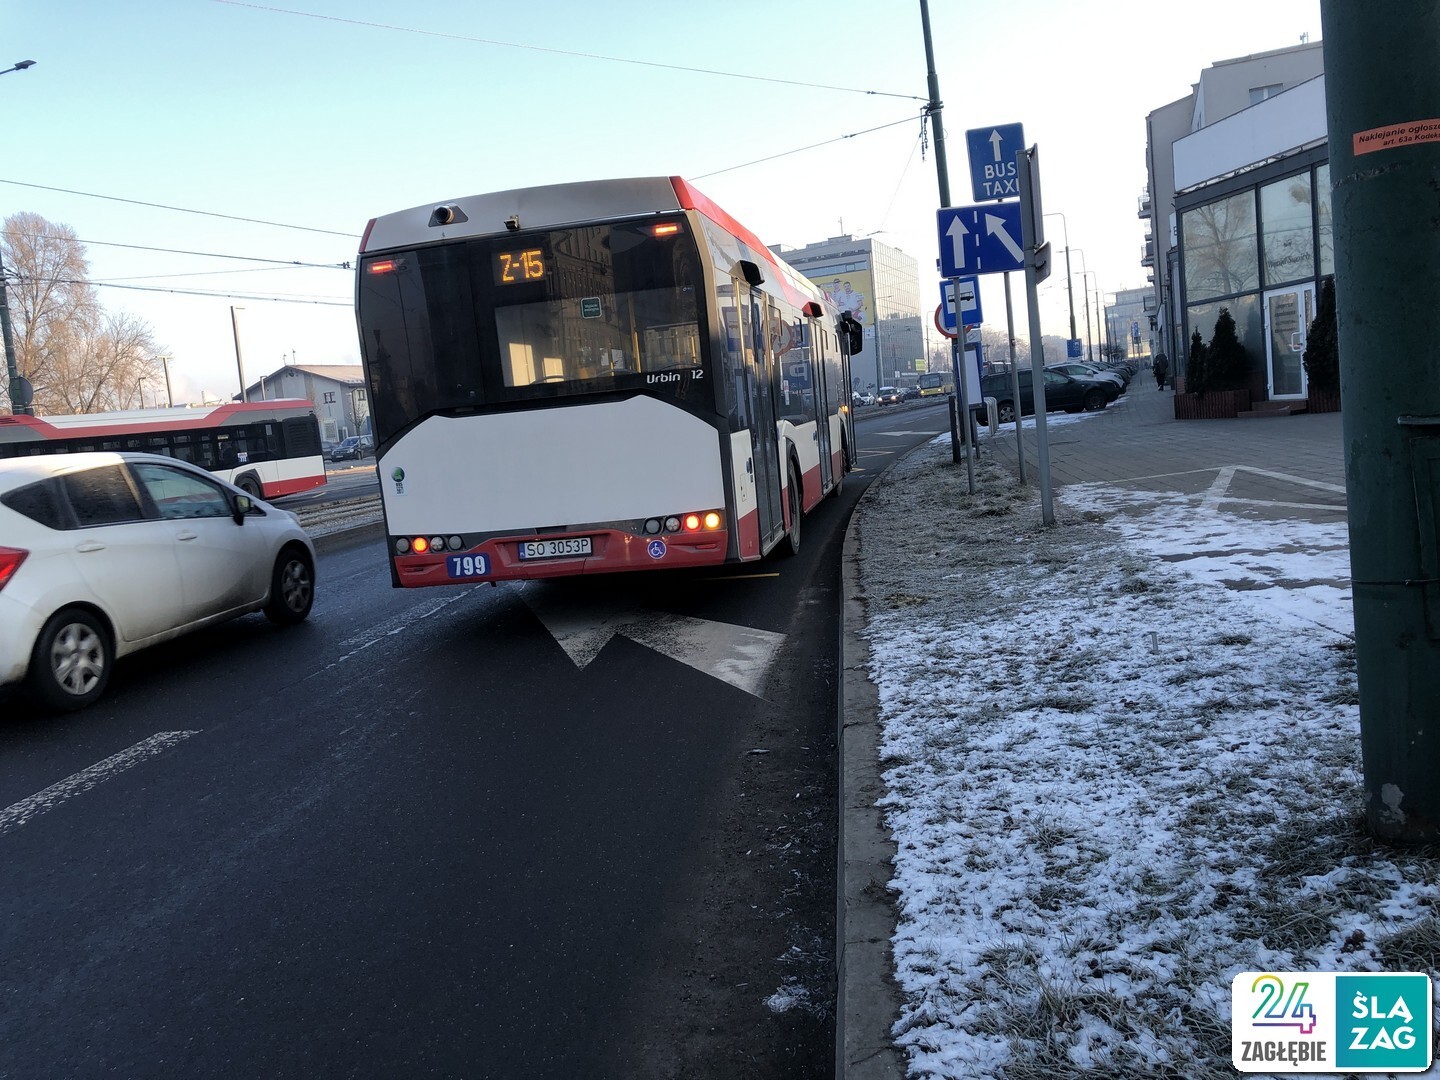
<point>853,291</point>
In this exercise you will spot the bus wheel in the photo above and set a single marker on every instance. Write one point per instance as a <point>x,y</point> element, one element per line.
<point>844,468</point>
<point>249,485</point>
<point>71,662</point>
<point>792,534</point>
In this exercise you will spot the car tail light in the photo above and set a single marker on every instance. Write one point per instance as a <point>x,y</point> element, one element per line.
<point>10,560</point>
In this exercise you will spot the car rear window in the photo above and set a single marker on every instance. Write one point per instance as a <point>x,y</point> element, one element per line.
<point>39,502</point>
<point>102,496</point>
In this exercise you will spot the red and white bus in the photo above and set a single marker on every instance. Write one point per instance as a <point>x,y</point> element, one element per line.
<point>267,448</point>
<point>594,377</point>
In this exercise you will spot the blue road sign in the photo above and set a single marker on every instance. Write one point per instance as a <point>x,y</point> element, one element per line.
<point>970,313</point>
<point>983,239</point>
<point>1074,348</point>
<point>992,160</point>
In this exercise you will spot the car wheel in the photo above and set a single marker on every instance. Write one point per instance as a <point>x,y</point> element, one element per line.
<point>70,665</point>
<point>792,534</point>
<point>1005,412</point>
<point>292,587</point>
<point>1094,400</point>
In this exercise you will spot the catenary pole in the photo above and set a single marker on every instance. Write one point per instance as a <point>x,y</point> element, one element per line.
<point>1384,134</point>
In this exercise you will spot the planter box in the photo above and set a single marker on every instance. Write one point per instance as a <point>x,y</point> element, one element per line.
<point>1212,405</point>
<point>1323,401</point>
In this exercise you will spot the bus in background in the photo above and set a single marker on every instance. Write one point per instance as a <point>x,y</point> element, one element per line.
<point>936,383</point>
<point>265,448</point>
<point>594,377</point>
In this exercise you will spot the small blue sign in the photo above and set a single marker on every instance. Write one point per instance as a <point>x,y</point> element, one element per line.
<point>1074,348</point>
<point>984,239</point>
<point>656,549</point>
<point>459,567</point>
<point>970,313</point>
<point>992,160</point>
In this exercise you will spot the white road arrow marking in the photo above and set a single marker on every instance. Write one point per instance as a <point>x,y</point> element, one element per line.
<point>995,226</point>
<point>738,655</point>
<point>957,233</point>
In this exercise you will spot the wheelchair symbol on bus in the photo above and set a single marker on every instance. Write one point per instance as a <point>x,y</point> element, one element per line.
<point>656,548</point>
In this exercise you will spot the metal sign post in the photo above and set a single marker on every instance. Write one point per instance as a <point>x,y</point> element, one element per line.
<point>1015,383</point>
<point>1036,261</point>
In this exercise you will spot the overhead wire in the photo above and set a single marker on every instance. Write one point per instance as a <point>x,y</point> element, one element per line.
<point>797,150</point>
<point>566,52</point>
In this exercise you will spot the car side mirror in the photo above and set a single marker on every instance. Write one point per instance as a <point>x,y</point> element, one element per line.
<point>240,506</point>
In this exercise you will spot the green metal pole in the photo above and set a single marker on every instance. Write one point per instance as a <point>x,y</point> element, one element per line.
<point>1384,130</point>
<point>933,109</point>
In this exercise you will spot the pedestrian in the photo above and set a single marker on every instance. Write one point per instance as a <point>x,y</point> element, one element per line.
<point>1161,367</point>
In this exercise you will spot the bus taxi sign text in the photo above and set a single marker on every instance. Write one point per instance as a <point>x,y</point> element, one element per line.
<point>992,153</point>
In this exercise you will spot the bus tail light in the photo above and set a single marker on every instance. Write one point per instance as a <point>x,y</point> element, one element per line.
<point>422,545</point>
<point>10,560</point>
<point>693,522</point>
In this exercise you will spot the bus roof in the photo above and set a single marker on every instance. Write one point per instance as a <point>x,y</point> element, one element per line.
<point>555,206</point>
<point>83,425</point>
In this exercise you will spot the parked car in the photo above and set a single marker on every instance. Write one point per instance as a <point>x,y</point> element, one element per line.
<point>355,447</point>
<point>1062,392</point>
<point>104,554</point>
<point>888,395</point>
<point>1093,372</point>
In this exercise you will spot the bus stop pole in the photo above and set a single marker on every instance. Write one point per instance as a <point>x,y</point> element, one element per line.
<point>962,387</point>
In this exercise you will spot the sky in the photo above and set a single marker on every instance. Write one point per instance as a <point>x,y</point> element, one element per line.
<point>1121,764</point>
<point>251,142</point>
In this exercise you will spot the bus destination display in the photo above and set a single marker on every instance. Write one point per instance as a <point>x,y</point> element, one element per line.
<point>512,267</point>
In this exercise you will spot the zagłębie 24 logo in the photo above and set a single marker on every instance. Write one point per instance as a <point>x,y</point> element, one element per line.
<point>1317,1022</point>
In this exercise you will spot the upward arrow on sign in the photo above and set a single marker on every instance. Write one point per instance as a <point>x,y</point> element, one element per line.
<point>957,233</point>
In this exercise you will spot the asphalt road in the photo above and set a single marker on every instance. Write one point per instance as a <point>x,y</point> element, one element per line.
<point>572,829</point>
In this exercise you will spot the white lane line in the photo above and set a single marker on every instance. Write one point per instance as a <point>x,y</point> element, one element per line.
<point>17,814</point>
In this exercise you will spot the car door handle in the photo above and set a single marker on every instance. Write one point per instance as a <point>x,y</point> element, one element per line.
<point>89,546</point>
<point>187,536</point>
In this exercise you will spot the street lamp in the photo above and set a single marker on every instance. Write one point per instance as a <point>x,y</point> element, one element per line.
<point>20,65</point>
<point>1068,290</point>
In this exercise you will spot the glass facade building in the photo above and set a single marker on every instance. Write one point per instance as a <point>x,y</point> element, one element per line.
<point>880,286</point>
<point>1260,244</point>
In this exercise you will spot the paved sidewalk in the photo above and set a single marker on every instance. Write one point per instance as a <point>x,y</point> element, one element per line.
<point>1273,468</point>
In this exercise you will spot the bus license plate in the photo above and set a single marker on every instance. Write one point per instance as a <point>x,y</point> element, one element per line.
<point>466,566</point>
<point>554,549</point>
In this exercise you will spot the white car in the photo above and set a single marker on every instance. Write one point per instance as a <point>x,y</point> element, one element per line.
<point>104,554</point>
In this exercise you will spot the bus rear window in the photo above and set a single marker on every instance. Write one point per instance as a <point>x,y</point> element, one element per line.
<point>536,315</point>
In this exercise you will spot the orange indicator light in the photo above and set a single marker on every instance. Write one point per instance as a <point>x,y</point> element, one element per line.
<point>712,520</point>
<point>420,546</point>
<point>666,230</point>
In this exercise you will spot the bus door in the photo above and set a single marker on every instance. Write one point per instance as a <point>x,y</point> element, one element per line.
<point>813,349</point>
<point>763,431</point>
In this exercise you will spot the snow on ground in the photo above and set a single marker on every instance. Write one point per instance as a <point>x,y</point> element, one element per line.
<point>1122,765</point>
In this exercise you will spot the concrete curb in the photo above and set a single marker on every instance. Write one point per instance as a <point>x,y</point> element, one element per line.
<point>867,1000</point>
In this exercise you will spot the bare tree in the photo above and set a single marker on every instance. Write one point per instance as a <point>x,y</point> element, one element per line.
<point>79,357</point>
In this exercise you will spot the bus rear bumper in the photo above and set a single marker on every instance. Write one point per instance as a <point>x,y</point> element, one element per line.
<point>611,552</point>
